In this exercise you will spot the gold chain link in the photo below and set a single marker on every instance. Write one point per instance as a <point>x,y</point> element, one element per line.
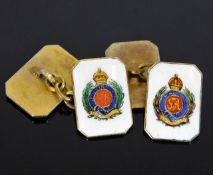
<point>56,83</point>
<point>139,71</point>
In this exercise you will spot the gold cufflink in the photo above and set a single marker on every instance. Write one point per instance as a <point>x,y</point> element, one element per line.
<point>137,56</point>
<point>173,106</point>
<point>101,96</point>
<point>96,89</point>
<point>40,86</point>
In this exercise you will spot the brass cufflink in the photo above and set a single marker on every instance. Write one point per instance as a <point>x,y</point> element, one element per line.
<point>101,96</point>
<point>39,86</point>
<point>173,107</point>
<point>96,89</point>
<point>137,56</point>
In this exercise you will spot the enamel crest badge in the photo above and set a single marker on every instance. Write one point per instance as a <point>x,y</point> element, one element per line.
<point>101,96</point>
<point>174,106</point>
<point>104,99</point>
<point>173,102</point>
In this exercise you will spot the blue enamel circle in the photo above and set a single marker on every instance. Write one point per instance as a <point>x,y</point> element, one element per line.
<point>107,109</point>
<point>173,117</point>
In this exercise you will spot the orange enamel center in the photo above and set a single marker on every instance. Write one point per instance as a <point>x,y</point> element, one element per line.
<point>173,104</point>
<point>103,98</point>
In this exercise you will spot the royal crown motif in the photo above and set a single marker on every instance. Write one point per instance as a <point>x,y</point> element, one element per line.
<point>174,107</point>
<point>104,99</point>
<point>100,77</point>
<point>175,83</point>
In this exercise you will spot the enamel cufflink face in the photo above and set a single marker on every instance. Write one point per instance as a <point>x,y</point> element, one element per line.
<point>101,97</point>
<point>100,90</point>
<point>173,102</point>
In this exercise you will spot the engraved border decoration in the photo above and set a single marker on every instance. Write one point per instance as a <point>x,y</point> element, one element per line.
<point>175,106</point>
<point>103,98</point>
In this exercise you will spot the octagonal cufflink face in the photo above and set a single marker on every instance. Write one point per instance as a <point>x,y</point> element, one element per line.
<point>101,97</point>
<point>29,92</point>
<point>173,102</point>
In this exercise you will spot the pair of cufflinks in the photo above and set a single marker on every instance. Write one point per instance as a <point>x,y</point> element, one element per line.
<point>103,91</point>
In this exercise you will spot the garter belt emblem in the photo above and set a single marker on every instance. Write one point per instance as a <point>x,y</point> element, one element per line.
<point>103,98</point>
<point>175,106</point>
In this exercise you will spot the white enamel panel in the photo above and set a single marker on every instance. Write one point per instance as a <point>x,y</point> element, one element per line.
<point>82,74</point>
<point>159,75</point>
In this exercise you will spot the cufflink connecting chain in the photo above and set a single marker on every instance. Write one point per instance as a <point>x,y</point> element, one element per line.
<point>57,84</point>
<point>139,71</point>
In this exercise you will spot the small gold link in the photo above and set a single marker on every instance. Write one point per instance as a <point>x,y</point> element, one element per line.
<point>56,83</point>
<point>60,93</point>
<point>70,103</point>
<point>66,96</point>
<point>139,71</point>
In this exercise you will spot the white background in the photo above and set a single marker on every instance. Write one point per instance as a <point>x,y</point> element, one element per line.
<point>82,74</point>
<point>159,76</point>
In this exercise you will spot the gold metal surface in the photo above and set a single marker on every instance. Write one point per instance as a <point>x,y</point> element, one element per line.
<point>137,56</point>
<point>57,84</point>
<point>29,92</point>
